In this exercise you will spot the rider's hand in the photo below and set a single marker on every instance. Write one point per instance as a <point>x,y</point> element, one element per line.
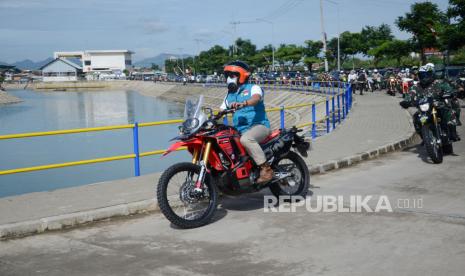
<point>237,105</point>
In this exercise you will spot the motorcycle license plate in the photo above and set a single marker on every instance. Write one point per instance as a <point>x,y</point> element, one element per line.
<point>423,119</point>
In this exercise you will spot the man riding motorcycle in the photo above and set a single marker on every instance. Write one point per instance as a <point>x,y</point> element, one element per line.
<point>250,118</point>
<point>362,81</point>
<point>428,85</point>
<point>377,78</point>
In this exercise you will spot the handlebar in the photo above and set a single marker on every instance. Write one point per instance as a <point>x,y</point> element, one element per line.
<point>223,112</point>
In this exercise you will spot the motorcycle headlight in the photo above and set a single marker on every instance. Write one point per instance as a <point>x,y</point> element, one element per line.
<point>424,107</point>
<point>190,124</point>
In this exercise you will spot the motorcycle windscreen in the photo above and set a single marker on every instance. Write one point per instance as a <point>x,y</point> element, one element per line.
<point>193,107</point>
<point>193,114</point>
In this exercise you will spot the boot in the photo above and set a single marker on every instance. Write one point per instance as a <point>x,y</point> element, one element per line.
<point>266,174</point>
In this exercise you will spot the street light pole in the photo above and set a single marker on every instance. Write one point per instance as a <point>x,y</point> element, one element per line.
<point>272,39</point>
<point>324,34</point>
<point>338,35</point>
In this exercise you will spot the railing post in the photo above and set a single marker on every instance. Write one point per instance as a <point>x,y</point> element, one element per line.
<point>344,110</point>
<point>334,113</point>
<point>338,107</point>
<point>135,132</point>
<point>327,115</point>
<point>350,97</point>
<point>281,116</point>
<point>348,91</point>
<point>313,120</point>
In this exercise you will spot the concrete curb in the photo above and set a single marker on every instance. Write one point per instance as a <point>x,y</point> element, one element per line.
<point>25,228</point>
<point>364,156</point>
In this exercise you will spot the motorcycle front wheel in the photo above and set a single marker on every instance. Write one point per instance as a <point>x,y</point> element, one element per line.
<point>433,148</point>
<point>297,183</point>
<point>180,203</point>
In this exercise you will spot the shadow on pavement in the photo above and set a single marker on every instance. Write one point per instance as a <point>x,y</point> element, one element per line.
<point>246,202</point>
<point>422,154</point>
<point>420,151</point>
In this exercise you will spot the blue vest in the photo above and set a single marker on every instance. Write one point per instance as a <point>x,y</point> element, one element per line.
<point>246,117</point>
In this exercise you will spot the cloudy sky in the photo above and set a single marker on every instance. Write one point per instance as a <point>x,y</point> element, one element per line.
<point>34,29</point>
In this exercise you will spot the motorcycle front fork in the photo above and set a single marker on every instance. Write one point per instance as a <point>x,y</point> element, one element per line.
<point>203,167</point>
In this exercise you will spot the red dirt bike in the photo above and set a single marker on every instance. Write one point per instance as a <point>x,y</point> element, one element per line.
<point>392,86</point>
<point>187,192</point>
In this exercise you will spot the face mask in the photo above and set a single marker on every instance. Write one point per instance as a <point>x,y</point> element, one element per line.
<point>232,84</point>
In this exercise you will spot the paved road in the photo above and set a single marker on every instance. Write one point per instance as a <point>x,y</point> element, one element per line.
<point>244,240</point>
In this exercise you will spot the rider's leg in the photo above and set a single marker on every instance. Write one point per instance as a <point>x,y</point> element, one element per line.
<point>250,140</point>
<point>457,110</point>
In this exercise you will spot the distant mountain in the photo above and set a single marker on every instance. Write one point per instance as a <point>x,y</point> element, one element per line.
<point>159,60</point>
<point>28,64</point>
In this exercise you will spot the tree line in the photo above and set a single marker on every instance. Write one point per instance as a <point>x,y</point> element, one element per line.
<point>430,28</point>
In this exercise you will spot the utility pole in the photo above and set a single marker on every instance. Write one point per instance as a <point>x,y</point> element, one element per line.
<point>234,23</point>
<point>272,39</point>
<point>196,60</point>
<point>182,61</point>
<point>324,34</point>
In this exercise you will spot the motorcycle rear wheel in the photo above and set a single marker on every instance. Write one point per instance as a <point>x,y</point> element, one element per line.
<point>190,210</point>
<point>296,185</point>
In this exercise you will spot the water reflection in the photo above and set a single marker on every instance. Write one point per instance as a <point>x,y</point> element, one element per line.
<point>65,110</point>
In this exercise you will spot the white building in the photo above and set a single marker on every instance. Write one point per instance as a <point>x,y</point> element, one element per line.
<point>60,69</point>
<point>101,61</point>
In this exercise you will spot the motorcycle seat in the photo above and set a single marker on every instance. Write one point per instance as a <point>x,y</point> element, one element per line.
<point>275,133</point>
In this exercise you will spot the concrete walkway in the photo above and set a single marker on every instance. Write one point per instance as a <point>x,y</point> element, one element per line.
<point>375,125</point>
<point>423,235</point>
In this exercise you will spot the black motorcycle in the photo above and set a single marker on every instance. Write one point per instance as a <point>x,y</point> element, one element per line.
<point>460,84</point>
<point>430,125</point>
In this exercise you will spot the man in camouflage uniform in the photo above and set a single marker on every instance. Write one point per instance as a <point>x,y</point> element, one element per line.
<point>437,88</point>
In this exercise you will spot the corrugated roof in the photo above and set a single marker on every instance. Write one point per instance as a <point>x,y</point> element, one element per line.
<point>65,61</point>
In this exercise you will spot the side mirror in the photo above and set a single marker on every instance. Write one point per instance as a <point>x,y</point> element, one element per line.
<point>209,110</point>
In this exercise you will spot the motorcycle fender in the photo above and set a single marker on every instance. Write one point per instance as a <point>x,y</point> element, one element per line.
<point>190,143</point>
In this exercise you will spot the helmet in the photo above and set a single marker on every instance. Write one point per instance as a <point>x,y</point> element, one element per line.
<point>376,70</point>
<point>238,68</point>
<point>426,74</point>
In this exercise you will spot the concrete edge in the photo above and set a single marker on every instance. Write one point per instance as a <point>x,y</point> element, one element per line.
<point>363,156</point>
<point>25,228</point>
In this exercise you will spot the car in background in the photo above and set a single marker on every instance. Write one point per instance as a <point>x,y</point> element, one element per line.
<point>200,78</point>
<point>212,78</point>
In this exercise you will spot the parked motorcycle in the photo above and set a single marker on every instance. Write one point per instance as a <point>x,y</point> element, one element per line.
<point>187,192</point>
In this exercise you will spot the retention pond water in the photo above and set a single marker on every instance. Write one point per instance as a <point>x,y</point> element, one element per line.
<point>45,111</point>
